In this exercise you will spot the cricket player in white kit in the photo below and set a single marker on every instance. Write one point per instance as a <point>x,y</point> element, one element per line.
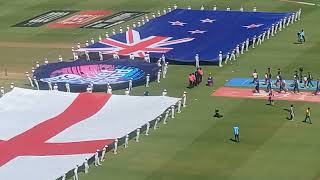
<point>36,82</point>
<point>96,159</point>
<point>87,55</point>
<point>242,47</point>
<point>184,99</point>
<point>175,6</point>
<point>126,141</point>
<point>159,76</point>
<point>86,166</point>
<point>241,8</point>
<point>272,30</point>
<point>68,87</point>
<point>30,80</point>
<point>127,92</point>
<point>115,56</point>
<point>156,123</point>
<point>247,44</point>
<point>104,151</point>
<point>49,85</point>
<point>109,90</point>
<point>55,87</point>
<point>165,69</point>
<point>254,41</point>
<point>163,59</point>
<point>75,173</point>
<point>148,128</point>
<point>227,58</point>
<point>147,80</point>
<point>238,51</point>
<point>263,36</point>
<point>179,106</point>
<point>284,22</point>
<point>147,57</point>
<point>197,61</point>
<point>166,117</point>
<point>131,57</point>
<point>164,93</point>
<point>100,56</point>
<point>220,59</point>
<point>64,177</point>
<point>60,58</point>
<point>2,91</point>
<point>130,84</point>
<point>172,112</point>
<point>75,55</point>
<point>268,33</point>
<point>233,56</point>
<point>259,40</point>
<point>115,146</point>
<point>46,61</point>
<point>11,85</point>
<point>138,135</point>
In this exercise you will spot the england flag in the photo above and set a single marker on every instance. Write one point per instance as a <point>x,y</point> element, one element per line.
<point>44,134</point>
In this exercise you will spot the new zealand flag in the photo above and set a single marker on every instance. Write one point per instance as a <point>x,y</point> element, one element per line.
<point>181,34</point>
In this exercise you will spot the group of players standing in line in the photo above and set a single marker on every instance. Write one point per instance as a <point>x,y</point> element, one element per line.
<point>298,79</point>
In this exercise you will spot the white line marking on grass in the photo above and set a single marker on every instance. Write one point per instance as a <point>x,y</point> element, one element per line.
<point>300,2</point>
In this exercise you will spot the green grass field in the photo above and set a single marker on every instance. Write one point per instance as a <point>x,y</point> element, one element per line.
<point>194,145</point>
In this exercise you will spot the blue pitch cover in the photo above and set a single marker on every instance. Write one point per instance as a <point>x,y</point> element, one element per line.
<point>181,34</point>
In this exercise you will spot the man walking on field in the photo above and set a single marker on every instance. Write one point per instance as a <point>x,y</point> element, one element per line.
<point>308,115</point>
<point>236,133</point>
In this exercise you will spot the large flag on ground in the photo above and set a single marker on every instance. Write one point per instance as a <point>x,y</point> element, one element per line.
<point>47,133</point>
<point>181,34</point>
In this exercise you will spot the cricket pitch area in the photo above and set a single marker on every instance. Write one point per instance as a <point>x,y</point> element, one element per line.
<point>248,93</point>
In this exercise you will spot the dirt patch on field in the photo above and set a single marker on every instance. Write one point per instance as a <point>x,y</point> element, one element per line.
<point>35,45</point>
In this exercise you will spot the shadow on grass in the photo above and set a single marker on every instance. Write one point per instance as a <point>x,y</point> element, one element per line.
<point>233,140</point>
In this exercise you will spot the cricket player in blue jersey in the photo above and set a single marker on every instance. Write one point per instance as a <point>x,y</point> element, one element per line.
<point>317,87</point>
<point>257,87</point>
<point>302,36</point>
<point>236,133</point>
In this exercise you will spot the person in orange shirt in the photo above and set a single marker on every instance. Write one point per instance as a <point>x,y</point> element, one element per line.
<point>308,114</point>
<point>190,81</point>
<point>200,73</point>
<point>193,79</point>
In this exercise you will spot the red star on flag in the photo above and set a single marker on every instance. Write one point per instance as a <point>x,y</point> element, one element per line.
<point>177,23</point>
<point>207,20</point>
<point>197,32</point>
<point>252,26</point>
